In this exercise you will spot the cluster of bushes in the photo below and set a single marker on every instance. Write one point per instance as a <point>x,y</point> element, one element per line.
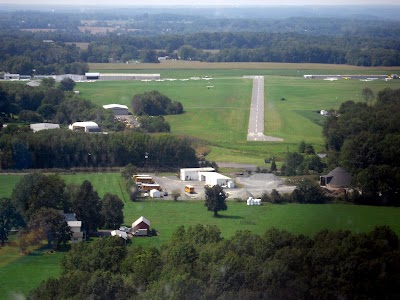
<point>155,104</point>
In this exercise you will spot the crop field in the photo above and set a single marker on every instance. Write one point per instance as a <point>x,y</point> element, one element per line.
<point>219,115</point>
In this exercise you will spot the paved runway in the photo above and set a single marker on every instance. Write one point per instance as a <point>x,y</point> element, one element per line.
<point>256,119</point>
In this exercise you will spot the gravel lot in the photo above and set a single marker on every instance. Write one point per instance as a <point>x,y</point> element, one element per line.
<point>253,185</point>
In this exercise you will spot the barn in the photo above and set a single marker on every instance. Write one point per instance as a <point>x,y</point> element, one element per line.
<point>117,109</point>
<point>141,223</point>
<point>193,173</point>
<point>337,178</point>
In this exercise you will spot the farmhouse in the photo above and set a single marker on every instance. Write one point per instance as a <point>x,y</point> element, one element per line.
<point>193,173</point>
<point>75,227</point>
<point>141,226</point>
<point>85,126</point>
<point>338,178</point>
<point>117,109</point>
<point>43,126</point>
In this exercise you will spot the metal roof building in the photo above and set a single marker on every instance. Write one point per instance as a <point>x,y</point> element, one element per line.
<point>117,109</point>
<point>193,173</point>
<point>85,126</point>
<point>43,126</point>
<point>337,178</point>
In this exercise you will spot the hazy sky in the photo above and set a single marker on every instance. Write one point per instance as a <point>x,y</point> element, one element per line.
<point>198,2</point>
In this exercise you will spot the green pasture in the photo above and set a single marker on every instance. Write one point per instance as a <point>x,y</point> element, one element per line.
<point>219,115</point>
<point>19,274</point>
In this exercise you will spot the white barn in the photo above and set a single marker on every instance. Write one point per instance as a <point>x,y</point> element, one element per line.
<point>193,173</point>
<point>117,109</point>
<point>85,126</point>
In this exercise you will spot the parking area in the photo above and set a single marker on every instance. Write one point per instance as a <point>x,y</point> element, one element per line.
<point>252,185</point>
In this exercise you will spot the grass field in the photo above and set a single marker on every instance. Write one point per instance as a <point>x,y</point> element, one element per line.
<point>219,115</point>
<point>21,273</point>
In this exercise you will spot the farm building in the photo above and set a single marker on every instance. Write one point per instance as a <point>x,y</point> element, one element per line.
<point>141,225</point>
<point>43,126</point>
<point>338,178</point>
<point>117,109</point>
<point>85,126</point>
<point>193,173</point>
<point>214,178</point>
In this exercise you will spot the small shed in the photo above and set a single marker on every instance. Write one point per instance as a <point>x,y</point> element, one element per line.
<point>141,223</point>
<point>155,193</point>
<point>337,178</point>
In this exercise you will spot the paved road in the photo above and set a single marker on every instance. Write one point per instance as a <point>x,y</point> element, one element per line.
<point>256,120</point>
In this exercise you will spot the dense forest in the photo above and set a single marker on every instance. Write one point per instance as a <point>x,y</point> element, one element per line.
<point>45,42</point>
<point>364,138</point>
<point>197,263</point>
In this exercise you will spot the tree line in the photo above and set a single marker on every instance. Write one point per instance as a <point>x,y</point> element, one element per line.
<point>37,205</point>
<point>24,53</point>
<point>364,139</point>
<point>67,149</point>
<point>197,263</point>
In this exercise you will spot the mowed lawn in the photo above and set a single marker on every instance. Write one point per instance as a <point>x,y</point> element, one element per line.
<point>219,115</point>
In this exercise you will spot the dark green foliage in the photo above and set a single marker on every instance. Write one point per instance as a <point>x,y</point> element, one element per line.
<point>87,207</point>
<point>112,211</point>
<point>128,171</point>
<point>66,149</point>
<point>273,166</point>
<point>302,147</point>
<point>368,141</point>
<point>67,84</point>
<point>53,225</point>
<point>155,104</point>
<point>149,56</point>
<point>152,124</point>
<point>35,191</point>
<point>308,191</point>
<point>197,264</point>
<point>215,199</point>
<point>9,218</point>
<point>30,116</point>
<point>292,163</point>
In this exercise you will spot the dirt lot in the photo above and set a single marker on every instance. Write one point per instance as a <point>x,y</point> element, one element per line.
<point>253,185</point>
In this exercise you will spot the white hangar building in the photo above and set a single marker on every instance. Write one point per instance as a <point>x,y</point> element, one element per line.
<point>117,109</point>
<point>121,76</point>
<point>214,178</point>
<point>194,173</point>
<point>85,126</point>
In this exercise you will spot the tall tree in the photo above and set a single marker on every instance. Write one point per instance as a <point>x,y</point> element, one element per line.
<point>112,211</point>
<point>67,84</point>
<point>367,94</point>
<point>35,191</point>
<point>87,207</point>
<point>53,226</point>
<point>215,199</point>
<point>9,217</point>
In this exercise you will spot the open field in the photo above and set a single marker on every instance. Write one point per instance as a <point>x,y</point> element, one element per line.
<point>219,115</point>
